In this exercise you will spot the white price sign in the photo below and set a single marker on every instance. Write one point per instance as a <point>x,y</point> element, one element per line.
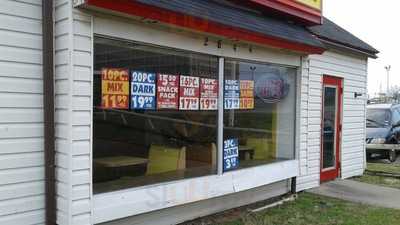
<point>208,104</point>
<point>231,103</point>
<point>187,103</point>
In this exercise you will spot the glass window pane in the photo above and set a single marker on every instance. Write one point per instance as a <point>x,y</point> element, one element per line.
<point>329,134</point>
<point>165,127</point>
<point>378,117</point>
<point>263,122</point>
<point>395,116</point>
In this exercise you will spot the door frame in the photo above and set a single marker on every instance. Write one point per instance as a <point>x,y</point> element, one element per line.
<point>333,172</point>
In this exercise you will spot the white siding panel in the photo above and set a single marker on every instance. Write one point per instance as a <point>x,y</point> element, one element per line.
<point>18,205</point>
<point>17,69</point>
<point>81,147</point>
<point>21,160</point>
<point>21,145</point>
<point>353,70</point>
<point>20,24</point>
<point>21,9</point>
<point>23,130</point>
<point>13,54</point>
<point>21,85</point>
<point>82,119</point>
<point>20,190</point>
<point>16,115</point>
<point>80,103</point>
<point>27,218</point>
<point>21,40</point>
<point>20,175</point>
<point>82,73</point>
<point>21,100</point>
<point>80,191</point>
<point>21,113</point>
<point>73,114</point>
<point>63,89</point>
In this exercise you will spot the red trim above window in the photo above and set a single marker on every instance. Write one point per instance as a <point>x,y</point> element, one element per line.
<point>131,7</point>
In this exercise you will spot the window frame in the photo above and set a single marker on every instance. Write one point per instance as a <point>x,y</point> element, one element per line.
<point>221,183</point>
<point>220,110</point>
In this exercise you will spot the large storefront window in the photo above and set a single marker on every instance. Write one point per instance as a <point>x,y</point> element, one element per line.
<point>259,113</point>
<point>155,114</point>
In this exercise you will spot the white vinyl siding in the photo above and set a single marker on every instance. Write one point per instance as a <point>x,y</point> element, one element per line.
<point>353,70</point>
<point>73,59</point>
<point>21,113</point>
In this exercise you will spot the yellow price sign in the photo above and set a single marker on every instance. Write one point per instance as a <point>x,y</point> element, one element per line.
<point>114,88</point>
<point>316,4</point>
<point>246,103</point>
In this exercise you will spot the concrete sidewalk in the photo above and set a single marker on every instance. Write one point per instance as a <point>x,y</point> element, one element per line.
<point>360,192</point>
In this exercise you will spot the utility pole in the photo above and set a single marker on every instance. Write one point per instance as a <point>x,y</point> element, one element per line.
<point>387,68</point>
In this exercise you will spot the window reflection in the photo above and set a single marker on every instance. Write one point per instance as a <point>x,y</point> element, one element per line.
<point>329,127</point>
<point>265,132</point>
<point>155,114</point>
<point>152,143</point>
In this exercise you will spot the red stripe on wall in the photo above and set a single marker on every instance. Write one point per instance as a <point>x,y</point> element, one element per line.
<point>134,8</point>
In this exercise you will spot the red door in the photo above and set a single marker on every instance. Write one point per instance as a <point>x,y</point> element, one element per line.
<point>331,127</point>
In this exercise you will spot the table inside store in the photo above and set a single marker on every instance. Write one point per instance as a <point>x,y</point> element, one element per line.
<point>246,153</point>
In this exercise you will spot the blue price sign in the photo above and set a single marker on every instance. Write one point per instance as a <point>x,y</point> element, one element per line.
<point>231,154</point>
<point>143,90</point>
<point>231,94</point>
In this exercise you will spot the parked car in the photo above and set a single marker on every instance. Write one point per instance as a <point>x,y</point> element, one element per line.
<point>383,130</point>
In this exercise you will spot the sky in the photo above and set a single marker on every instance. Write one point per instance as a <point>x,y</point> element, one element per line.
<point>378,24</point>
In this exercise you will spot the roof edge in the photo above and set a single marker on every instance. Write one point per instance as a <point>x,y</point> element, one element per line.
<point>347,47</point>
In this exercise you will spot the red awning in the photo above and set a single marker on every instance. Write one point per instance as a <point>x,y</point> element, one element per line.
<point>207,25</point>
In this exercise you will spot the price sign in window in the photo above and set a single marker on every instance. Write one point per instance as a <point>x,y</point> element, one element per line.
<point>114,88</point>
<point>189,93</point>
<point>167,91</point>
<point>231,154</point>
<point>161,134</point>
<point>208,94</point>
<point>231,94</point>
<point>246,94</point>
<point>143,90</point>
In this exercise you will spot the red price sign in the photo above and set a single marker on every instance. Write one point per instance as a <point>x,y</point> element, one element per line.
<point>189,81</point>
<point>167,91</point>
<point>208,94</point>
<point>189,93</point>
<point>208,88</point>
<point>114,88</point>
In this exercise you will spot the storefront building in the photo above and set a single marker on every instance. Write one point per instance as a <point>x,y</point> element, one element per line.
<point>165,111</point>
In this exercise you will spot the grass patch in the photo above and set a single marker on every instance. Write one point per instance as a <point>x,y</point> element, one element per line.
<point>384,167</point>
<point>317,210</point>
<point>380,180</point>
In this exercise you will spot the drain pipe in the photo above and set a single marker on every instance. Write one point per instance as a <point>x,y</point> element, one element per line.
<point>48,108</point>
<point>293,184</point>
